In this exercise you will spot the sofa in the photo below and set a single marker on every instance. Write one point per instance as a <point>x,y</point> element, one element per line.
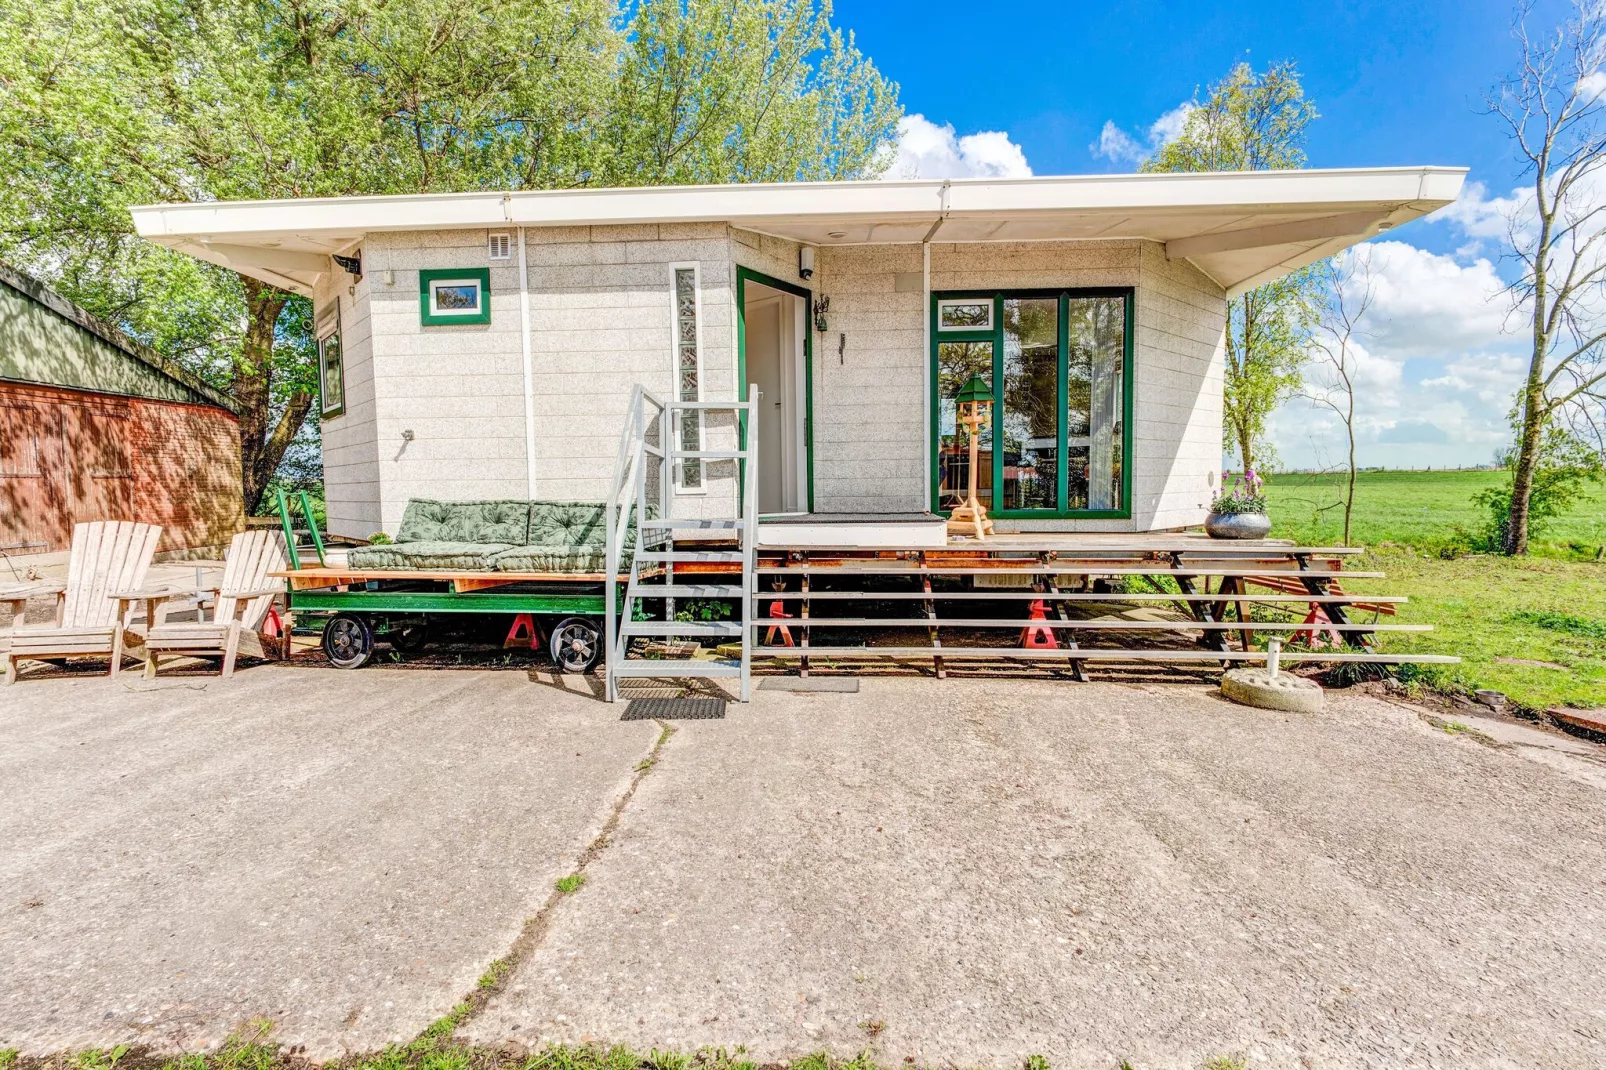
<point>507,535</point>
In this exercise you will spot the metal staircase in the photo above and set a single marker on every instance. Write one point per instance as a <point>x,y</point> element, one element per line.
<point>647,541</point>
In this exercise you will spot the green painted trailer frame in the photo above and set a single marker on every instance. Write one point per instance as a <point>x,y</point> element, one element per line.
<point>385,600</point>
<point>413,602</point>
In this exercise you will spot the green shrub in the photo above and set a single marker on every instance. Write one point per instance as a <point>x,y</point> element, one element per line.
<point>702,610</point>
<point>1566,466</point>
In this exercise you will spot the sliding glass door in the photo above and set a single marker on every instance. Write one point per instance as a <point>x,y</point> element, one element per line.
<point>1059,365</point>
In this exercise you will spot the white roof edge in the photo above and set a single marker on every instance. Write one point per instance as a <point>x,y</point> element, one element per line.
<point>1423,187</point>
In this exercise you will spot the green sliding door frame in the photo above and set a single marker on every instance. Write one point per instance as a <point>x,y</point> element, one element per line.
<point>995,335</point>
<point>743,277</point>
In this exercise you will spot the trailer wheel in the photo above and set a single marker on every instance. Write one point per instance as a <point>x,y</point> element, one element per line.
<point>408,637</point>
<point>576,645</point>
<point>348,641</point>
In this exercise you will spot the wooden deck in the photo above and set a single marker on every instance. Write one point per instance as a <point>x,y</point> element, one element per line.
<point>1225,600</point>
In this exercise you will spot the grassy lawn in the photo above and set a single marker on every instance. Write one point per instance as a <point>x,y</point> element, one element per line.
<point>1423,510</point>
<point>1533,628</point>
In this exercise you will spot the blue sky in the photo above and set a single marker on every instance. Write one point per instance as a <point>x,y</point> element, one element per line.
<point>1395,83</point>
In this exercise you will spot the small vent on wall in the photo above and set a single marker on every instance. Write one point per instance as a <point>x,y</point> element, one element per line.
<point>501,247</point>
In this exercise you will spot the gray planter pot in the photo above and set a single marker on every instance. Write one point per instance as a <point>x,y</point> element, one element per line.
<point>1237,525</point>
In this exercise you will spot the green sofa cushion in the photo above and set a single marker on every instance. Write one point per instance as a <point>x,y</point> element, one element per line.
<point>475,556</point>
<point>496,521</point>
<point>552,559</point>
<point>568,524</point>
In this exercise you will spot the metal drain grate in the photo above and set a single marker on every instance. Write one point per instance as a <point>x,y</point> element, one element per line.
<point>674,709</point>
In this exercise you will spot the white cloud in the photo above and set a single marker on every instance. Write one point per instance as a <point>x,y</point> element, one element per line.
<point>1118,146</point>
<point>1437,358</point>
<point>1481,216</point>
<point>926,150</point>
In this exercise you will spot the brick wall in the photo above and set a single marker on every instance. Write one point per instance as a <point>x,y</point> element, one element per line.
<point>68,457</point>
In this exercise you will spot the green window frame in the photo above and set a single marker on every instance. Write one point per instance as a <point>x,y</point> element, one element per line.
<point>433,317</point>
<point>994,335</point>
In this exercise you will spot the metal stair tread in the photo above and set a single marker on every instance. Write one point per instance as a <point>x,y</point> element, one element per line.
<point>690,556</point>
<point>677,668</point>
<point>635,628</point>
<point>688,590</point>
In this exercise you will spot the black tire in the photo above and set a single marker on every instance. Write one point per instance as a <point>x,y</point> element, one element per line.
<point>575,644</point>
<point>408,636</point>
<point>348,641</point>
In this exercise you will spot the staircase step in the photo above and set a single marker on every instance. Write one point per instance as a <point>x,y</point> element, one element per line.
<point>631,629</point>
<point>688,590</point>
<point>732,557</point>
<point>670,668</point>
<point>697,523</point>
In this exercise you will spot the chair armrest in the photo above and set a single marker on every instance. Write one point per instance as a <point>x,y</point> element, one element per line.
<point>246,596</point>
<point>22,594</point>
<point>153,594</point>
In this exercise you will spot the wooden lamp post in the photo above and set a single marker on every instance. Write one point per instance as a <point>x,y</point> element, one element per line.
<point>973,401</point>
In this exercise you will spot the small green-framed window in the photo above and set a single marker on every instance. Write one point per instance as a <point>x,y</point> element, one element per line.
<point>1059,364</point>
<point>964,314</point>
<point>454,295</point>
<point>331,370</point>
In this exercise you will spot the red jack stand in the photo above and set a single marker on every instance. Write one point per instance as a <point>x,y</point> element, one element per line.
<point>273,627</point>
<point>778,612</point>
<point>1036,637</point>
<point>1320,637</point>
<point>523,633</point>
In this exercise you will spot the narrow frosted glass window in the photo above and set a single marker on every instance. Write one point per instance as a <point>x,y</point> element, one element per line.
<point>688,372</point>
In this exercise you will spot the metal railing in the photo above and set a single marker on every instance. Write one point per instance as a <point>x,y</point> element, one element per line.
<point>636,503</point>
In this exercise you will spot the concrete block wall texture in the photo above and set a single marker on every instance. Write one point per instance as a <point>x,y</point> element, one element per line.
<point>350,444</point>
<point>69,457</point>
<point>602,321</point>
<point>870,425</point>
<point>601,318</point>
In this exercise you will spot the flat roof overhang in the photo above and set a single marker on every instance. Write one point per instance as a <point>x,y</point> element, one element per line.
<point>1240,228</point>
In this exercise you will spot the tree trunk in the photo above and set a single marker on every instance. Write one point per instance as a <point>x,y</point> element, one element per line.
<point>1522,480</point>
<point>262,448</point>
<point>1245,447</point>
<point>1349,491</point>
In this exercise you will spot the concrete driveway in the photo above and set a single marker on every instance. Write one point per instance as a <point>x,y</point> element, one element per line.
<point>962,872</point>
<point>343,853</point>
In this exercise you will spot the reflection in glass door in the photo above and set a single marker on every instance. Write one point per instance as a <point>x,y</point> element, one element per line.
<point>1029,418</point>
<point>1095,397</point>
<point>956,363</point>
<point>1056,364</point>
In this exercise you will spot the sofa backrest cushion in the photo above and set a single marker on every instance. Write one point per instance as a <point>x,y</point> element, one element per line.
<point>494,521</point>
<point>579,525</point>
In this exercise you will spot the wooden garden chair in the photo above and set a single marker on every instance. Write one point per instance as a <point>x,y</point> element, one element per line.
<point>107,556</point>
<point>240,604</point>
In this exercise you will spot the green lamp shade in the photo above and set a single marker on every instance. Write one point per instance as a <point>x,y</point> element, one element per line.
<point>976,391</point>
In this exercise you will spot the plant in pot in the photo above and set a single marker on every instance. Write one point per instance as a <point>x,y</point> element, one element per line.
<point>1239,511</point>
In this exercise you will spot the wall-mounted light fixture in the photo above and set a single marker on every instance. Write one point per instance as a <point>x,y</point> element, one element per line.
<point>805,262</point>
<point>822,305</point>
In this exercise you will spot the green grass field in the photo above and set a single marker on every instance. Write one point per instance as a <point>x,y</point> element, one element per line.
<point>1423,510</point>
<point>1533,628</point>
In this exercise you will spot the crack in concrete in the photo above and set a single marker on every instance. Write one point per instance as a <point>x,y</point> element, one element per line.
<point>536,927</point>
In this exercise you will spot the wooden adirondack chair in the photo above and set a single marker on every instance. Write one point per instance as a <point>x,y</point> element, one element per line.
<point>107,556</point>
<point>241,604</point>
